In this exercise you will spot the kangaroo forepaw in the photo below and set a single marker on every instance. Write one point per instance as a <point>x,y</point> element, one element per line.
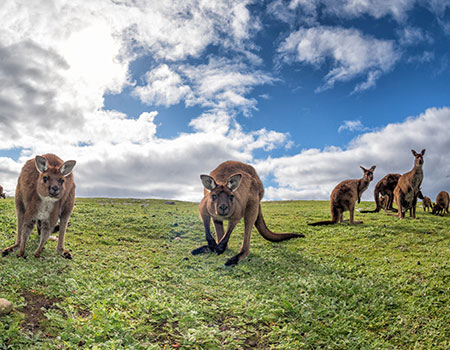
<point>203,250</point>
<point>5,252</point>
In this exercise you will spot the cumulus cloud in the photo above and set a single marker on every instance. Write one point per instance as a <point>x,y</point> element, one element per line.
<point>164,87</point>
<point>353,54</point>
<point>352,125</point>
<point>59,60</point>
<point>313,173</point>
<point>222,84</point>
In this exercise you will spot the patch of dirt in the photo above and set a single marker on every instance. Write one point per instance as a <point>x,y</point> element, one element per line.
<point>82,312</point>
<point>34,310</point>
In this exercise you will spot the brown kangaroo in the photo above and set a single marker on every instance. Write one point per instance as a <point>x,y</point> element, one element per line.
<point>2,194</point>
<point>45,192</point>
<point>442,202</point>
<point>426,203</point>
<point>407,190</point>
<point>384,187</point>
<point>344,197</point>
<point>234,191</point>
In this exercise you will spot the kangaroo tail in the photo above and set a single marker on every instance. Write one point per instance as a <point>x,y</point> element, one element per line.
<point>321,223</point>
<point>269,235</point>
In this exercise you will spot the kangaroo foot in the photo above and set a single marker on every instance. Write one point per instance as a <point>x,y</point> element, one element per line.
<point>234,260</point>
<point>202,250</point>
<point>220,248</point>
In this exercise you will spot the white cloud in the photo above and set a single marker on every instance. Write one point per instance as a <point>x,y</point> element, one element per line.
<point>355,8</point>
<point>222,84</point>
<point>164,87</point>
<point>352,125</point>
<point>353,54</point>
<point>413,36</point>
<point>313,173</point>
<point>310,11</point>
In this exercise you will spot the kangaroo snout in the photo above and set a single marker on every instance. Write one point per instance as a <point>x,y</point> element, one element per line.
<point>54,191</point>
<point>223,209</point>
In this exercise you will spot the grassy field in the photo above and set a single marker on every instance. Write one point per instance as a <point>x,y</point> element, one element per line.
<point>133,284</point>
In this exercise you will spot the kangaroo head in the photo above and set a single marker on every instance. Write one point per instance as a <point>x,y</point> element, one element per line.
<point>419,157</point>
<point>368,173</point>
<point>436,208</point>
<point>220,199</point>
<point>51,178</point>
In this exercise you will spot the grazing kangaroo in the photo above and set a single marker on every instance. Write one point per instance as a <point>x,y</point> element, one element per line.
<point>442,202</point>
<point>384,187</point>
<point>426,203</point>
<point>2,194</point>
<point>344,197</point>
<point>407,190</point>
<point>233,191</point>
<point>45,192</point>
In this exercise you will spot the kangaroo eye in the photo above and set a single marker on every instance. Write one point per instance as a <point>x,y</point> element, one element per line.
<point>61,181</point>
<point>231,198</point>
<point>214,197</point>
<point>45,178</point>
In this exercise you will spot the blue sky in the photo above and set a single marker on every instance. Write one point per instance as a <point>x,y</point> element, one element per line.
<point>148,96</point>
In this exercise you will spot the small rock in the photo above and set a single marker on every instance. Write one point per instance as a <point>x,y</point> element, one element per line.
<point>170,202</point>
<point>5,307</point>
<point>177,238</point>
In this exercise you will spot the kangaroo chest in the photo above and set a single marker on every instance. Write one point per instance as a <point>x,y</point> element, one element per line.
<point>45,208</point>
<point>416,181</point>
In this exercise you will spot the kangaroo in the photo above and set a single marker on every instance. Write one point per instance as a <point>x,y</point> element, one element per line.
<point>344,197</point>
<point>426,203</point>
<point>233,191</point>
<point>2,194</point>
<point>384,201</point>
<point>408,187</point>
<point>45,192</point>
<point>384,187</point>
<point>442,202</point>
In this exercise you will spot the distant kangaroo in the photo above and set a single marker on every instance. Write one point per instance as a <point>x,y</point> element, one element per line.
<point>344,197</point>
<point>2,194</point>
<point>45,192</point>
<point>234,191</point>
<point>384,187</point>
<point>426,203</point>
<point>442,202</point>
<point>407,190</point>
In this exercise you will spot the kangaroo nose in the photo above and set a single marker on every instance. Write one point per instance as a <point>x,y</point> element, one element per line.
<point>223,207</point>
<point>55,188</point>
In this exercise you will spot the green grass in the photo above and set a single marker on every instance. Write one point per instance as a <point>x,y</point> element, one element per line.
<point>133,284</point>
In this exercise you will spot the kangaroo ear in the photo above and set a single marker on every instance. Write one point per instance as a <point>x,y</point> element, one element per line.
<point>67,167</point>
<point>234,182</point>
<point>413,152</point>
<point>423,152</point>
<point>372,169</point>
<point>363,169</point>
<point>208,182</point>
<point>41,164</point>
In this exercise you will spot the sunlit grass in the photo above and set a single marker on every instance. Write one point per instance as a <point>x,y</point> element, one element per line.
<point>133,284</point>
